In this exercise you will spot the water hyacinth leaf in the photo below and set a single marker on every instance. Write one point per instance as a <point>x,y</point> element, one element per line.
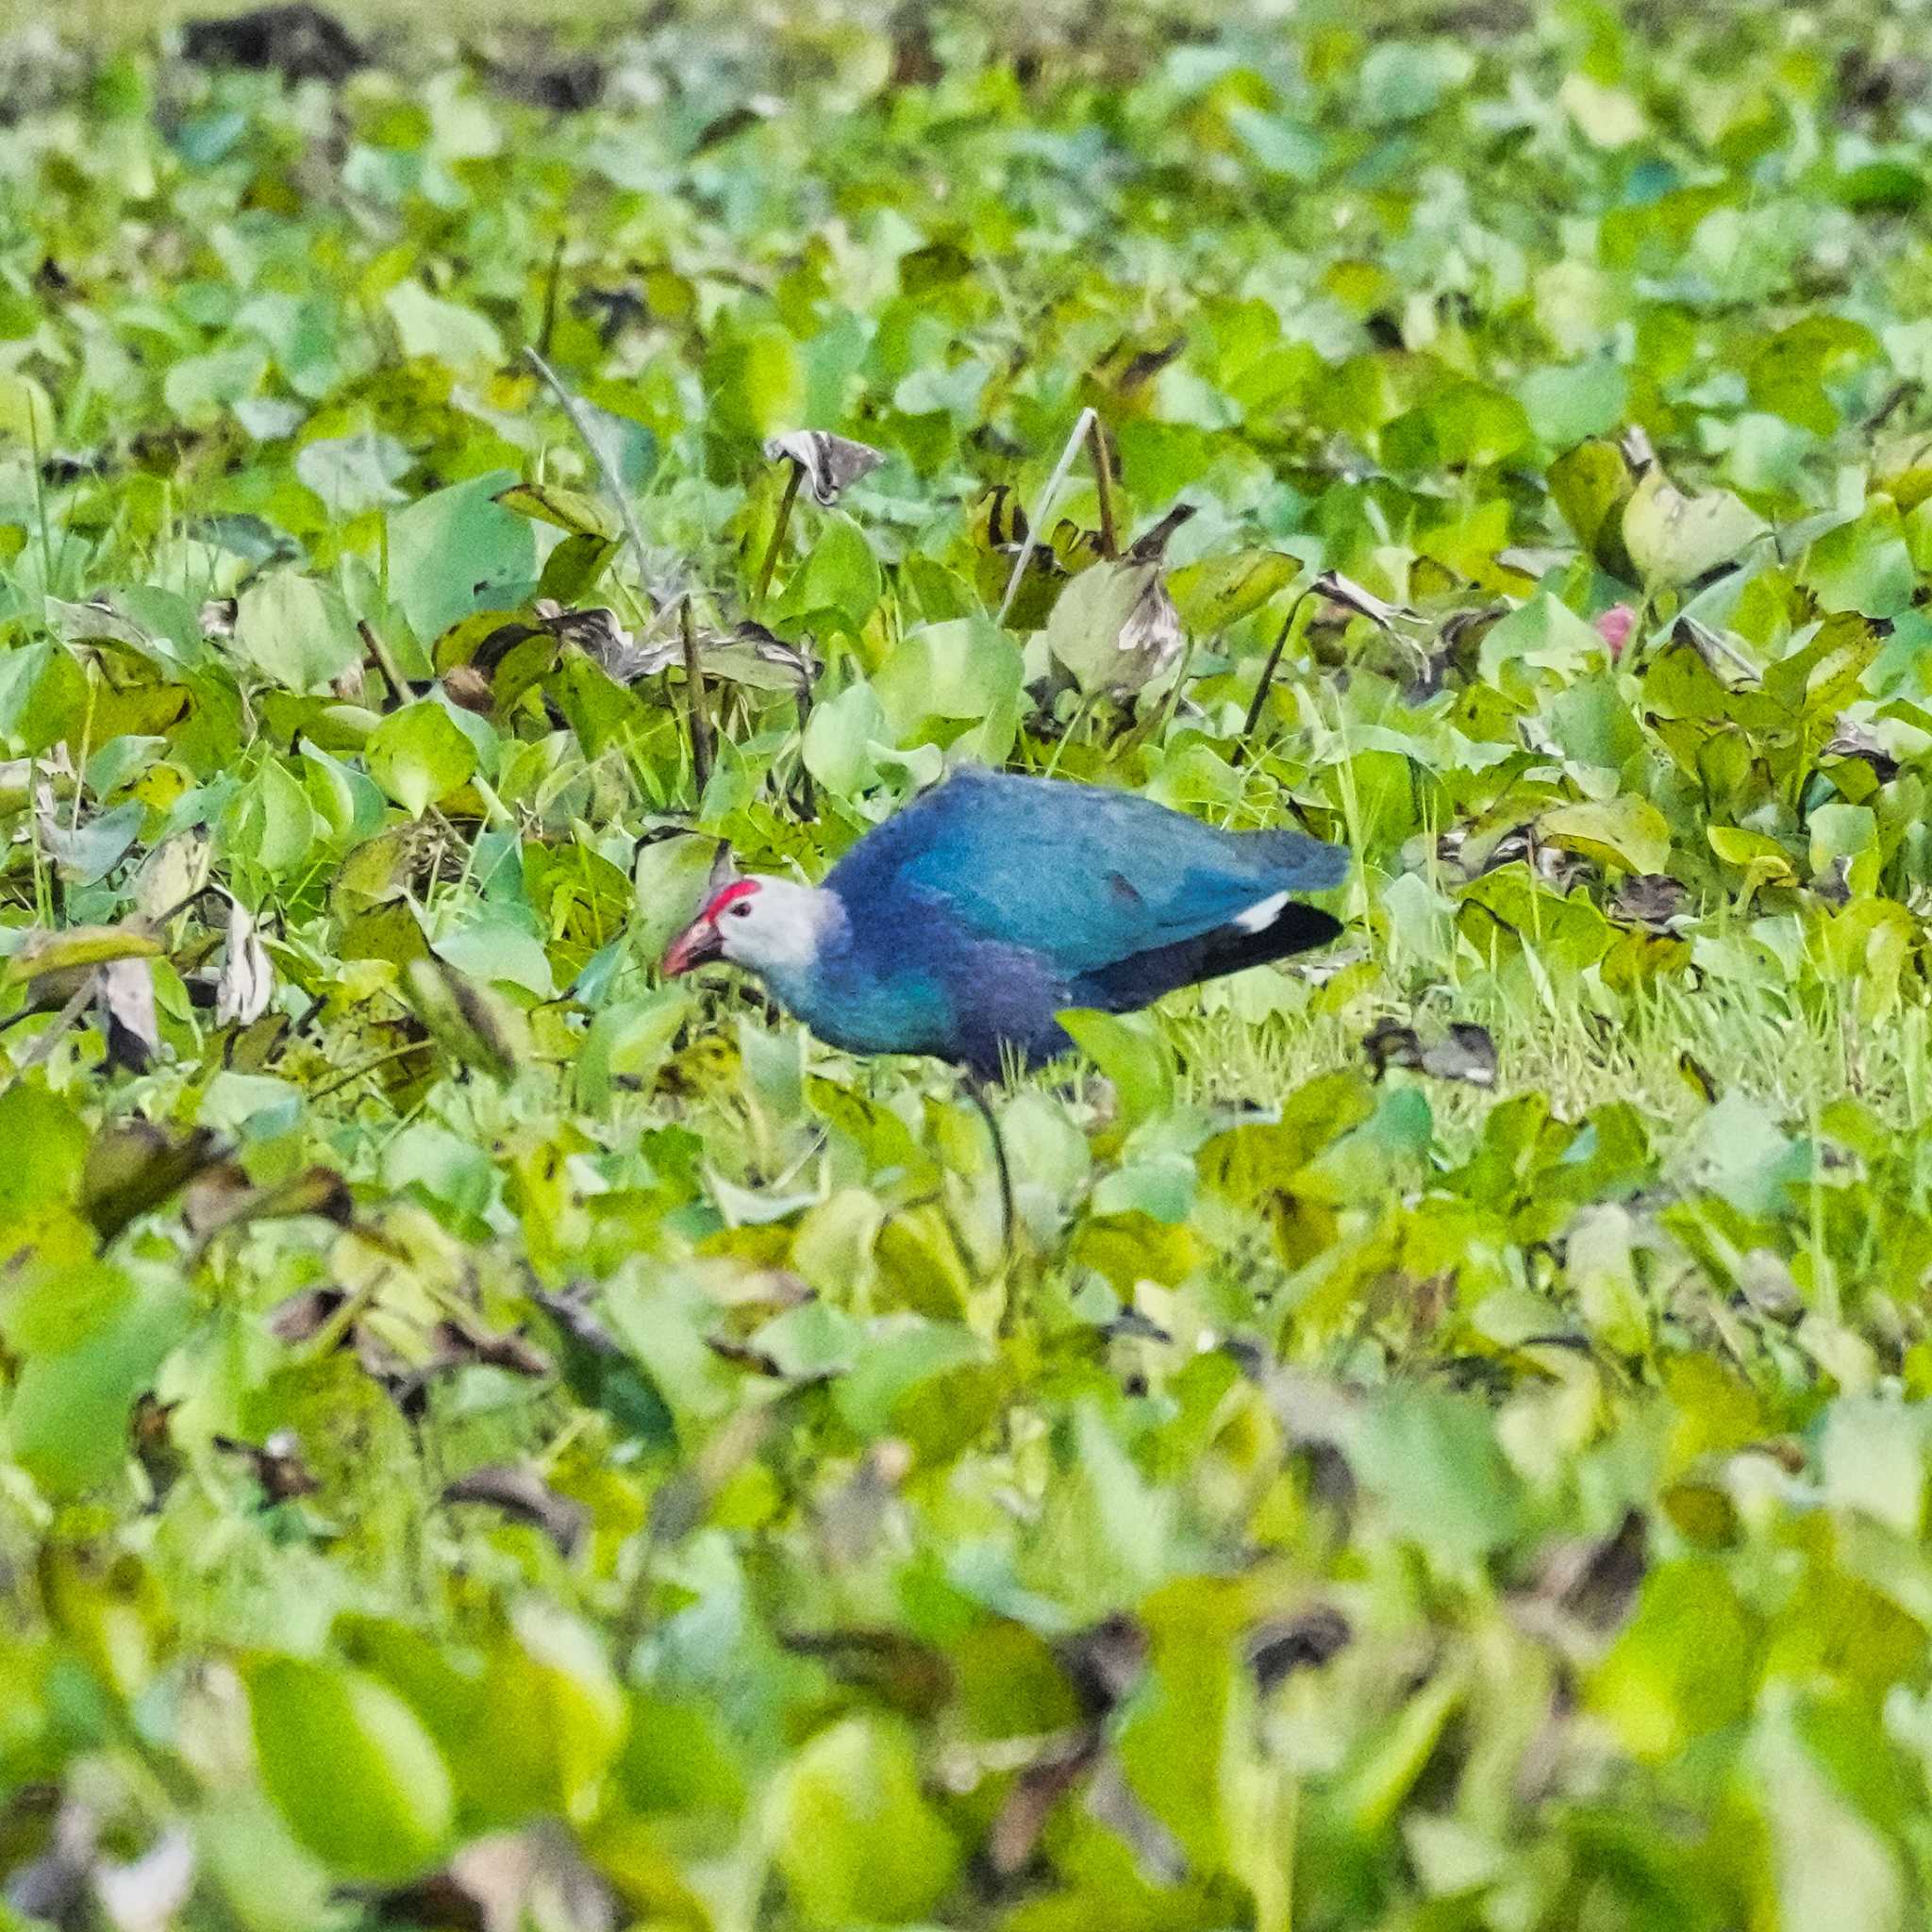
<point>421,755</point>
<point>857,1839</point>
<point>458,550</point>
<point>1864,566</point>
<point>1115,629</point>
<point>1628,833</point>
<point>1433,1461</point>
<point>627,1043</point>
<point>296,632</point>
<point>450,332</point>
<point>967,668</point>
<point>839,577</point>
<point>1591,486</point>
<point>355,474</point>
<point>43,697</point>
<point>1675,538</point>
<point>1128,1052</point>
<point>350,1768</point>
<point>838,741</point>
<point>86,1356</point>
<point>670,878</point>
<point>1220,591</point>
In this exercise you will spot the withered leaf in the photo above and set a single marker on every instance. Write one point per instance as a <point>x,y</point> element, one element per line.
<point>133,1166</point>
<point>277,1464</point>
<point>128,1005</point>
<point>526,1498</point>
<point>247,981</point>
<point>831,464</point>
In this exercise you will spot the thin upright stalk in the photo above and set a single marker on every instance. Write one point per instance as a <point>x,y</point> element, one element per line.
<point>613,483</point>
<point>1252,722</point>
<point>694,697</point>
<point>1044,508</point>
<point>778,529</point>
<point>1102,485</point>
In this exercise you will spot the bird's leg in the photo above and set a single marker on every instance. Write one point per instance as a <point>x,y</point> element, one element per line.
<point>976,1089</point>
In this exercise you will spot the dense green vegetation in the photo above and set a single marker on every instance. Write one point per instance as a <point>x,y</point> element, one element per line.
<point>482,1432</point>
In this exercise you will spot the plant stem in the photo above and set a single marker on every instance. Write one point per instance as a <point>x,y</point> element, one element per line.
<point>694,697</point>
<point>368,1066</point>
<point>551,285</point>
<point>1043,510</point>
<point>1253,720</point>
<point>778,529</point>
<point>613,483</point>
<point>1103,484</point>
<point>398,693</point>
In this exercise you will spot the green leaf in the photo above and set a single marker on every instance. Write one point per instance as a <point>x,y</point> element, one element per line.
<point>839,577</point>
<point>297,633</point>
<point>458,550</point>
<point>1628,834</point>
<point>1591,485</point>
<point>420,756</point>
<point>857,1841</point>
<point>354,474</point>
<point>1129,1052</point>
<point>449,331</point>
<point>1221,591</point>
<point>351,1768</point>
<point>1676,539</point>
<point>1114,627</point>
<point>43,697</point>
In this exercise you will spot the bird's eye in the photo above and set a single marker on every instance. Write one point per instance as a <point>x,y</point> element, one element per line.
<point>742,910</point>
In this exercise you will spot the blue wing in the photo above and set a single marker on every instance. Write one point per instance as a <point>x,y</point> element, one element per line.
<point>1079,874</point>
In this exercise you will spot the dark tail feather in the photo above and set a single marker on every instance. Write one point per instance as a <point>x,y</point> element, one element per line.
<point>1143,977</point>
<point>1297,861</point>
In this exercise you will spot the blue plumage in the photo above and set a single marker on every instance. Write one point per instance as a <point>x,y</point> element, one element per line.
<point>964,924</point>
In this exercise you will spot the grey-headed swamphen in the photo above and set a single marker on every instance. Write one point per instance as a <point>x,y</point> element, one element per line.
<point>966,922</point>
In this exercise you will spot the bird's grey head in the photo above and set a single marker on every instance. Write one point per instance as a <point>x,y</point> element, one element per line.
<point>766,924</point>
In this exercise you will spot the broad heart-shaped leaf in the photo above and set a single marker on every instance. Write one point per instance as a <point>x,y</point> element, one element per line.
<point>421,755</point>
<point>354,474</point>
<point>967,666</point>
<point>296,632</point>
<point>43,697</point>
<point>1130,1053</point>
<point>1114,627</point>
<point>1864,565</point>
<point>457,551</point>
<point>669,882</point>
<point>857,1841</point>
<point>1221,591</point>
<point>90,1337</point>
<point>554,1716</point>
<point>1674,539</point>
<point>626,1043</point>
<point>1592,486</point>
<point>1764,861</point>
<point>350,1767</point>
<point>1629,834</point>
<point>840,577</point>
<point>1433,1461</point>
<point>453,334</point>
